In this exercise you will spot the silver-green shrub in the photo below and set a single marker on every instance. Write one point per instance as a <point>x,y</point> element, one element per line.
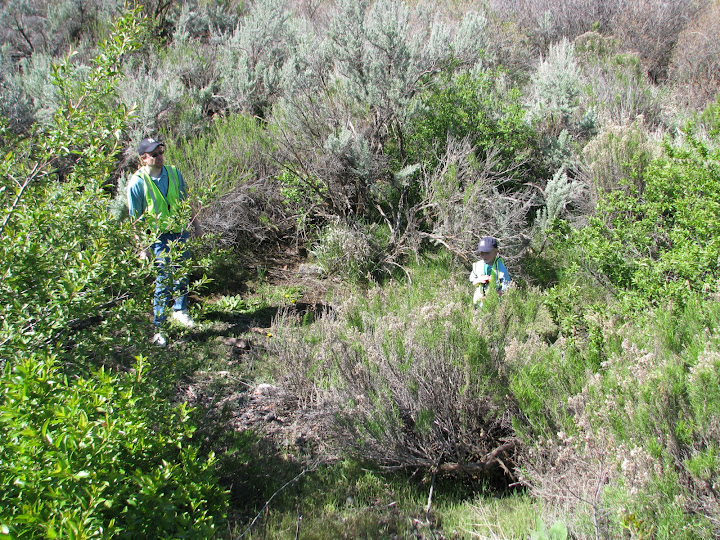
<point>560,193</point>
<point>562,117</point>
<point>29,95</point>
<point>618,155</point>
<point>39,88</point>
<point>168,89</point>
<point>556,84</point>
<point>203,19</point>
<point>649,28</point>
<point>15,104</point>
<point>34,26</point>
<point>549,21</point>
<point>253,57</point>
<point>615,84</point>
<point>345,252</point>
<point>383,51</point>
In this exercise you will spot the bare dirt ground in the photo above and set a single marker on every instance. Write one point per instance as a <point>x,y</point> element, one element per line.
<point>232,401</point>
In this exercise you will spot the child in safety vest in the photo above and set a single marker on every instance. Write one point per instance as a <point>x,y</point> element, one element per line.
<point>155,192</point>
<point>489,271</point>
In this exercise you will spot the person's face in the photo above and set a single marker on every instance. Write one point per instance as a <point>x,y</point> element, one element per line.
<point>488,257</point>
<point>154,158</point>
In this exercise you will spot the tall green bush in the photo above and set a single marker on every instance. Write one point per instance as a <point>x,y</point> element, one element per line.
<point>482,107</point>
<point>637,450</point>
<point>84,454</point>
<point>65,259</point>
<point>660,239</point>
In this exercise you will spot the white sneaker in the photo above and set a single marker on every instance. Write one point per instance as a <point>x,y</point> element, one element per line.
<point>160,340</point>
<point>183,318</point>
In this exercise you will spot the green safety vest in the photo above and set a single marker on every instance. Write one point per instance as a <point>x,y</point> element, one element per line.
<point>492,271</point>
<point>159,206</point>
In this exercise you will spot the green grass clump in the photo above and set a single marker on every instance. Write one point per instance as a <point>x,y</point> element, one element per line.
<point>350,500</point>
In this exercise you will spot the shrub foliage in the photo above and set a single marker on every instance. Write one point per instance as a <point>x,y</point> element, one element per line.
<point>372,132</point>
<point>658,239</point>
<point>84,453</point>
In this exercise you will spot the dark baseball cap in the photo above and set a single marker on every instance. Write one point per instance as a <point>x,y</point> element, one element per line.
<point>487,244</point>
<point>148,145</point>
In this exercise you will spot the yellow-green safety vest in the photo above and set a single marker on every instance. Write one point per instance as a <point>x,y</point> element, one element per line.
<point>162,207</point>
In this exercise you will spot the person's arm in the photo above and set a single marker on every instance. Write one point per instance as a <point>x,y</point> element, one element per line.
<point>478,276</point>
<point>503,277</point>
<point>182,188</point>
<point>136,208</point>
<point>136,196</point>
<point>474,275</point>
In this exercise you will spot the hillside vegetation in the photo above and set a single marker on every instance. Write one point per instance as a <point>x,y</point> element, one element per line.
<point>343,159</point>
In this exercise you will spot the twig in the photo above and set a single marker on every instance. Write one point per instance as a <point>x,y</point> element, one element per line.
<point>489,461</point>
<point>79,324</point>
<point>18,196</point>
<point>239,380</point>
<point>269,501</point>
<point>430,496</point>
<point>439,238</point>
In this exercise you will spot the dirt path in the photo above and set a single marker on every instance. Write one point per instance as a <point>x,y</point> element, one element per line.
<point>228,392</point>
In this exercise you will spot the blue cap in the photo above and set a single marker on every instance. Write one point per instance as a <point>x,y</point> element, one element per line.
<point>148,145</point>
<point>487,244</point>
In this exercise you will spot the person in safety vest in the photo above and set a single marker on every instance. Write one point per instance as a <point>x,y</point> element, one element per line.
<point>154,193</point>
<point>488,272</point>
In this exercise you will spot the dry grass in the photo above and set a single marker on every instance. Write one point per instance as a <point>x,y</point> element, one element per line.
<point>410,389</point>
<point>695,66</point>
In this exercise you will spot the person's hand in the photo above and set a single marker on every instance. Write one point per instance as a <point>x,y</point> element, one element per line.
<point>482,280</point>
<point>144,254</point>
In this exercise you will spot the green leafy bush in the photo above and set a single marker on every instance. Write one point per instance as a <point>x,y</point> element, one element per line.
<point>66,258</point>
<point>84,454</point>
<point>482,107</point>
<point>99,457</point>
<point>658,240</point>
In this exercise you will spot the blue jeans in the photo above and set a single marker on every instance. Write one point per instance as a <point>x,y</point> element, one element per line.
<point>169,289</point>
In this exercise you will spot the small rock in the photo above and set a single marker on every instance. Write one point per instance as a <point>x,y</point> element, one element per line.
<point>309,270</point>
<point>237,343</point>
<point>265,390</point>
